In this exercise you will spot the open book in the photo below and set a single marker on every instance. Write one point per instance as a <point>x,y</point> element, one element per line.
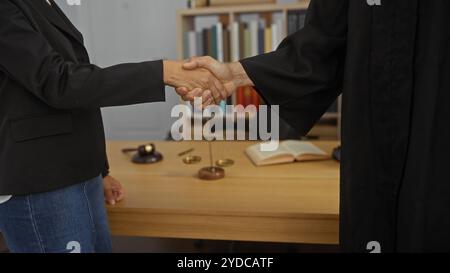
<point>288,151</point>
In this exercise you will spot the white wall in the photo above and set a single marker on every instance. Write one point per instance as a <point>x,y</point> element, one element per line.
<point>118,31</point>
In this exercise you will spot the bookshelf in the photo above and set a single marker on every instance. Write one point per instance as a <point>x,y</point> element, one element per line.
<point>328,127</point>
<point>227,14</point>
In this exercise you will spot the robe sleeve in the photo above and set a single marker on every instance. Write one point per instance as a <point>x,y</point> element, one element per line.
<point>304,75</point>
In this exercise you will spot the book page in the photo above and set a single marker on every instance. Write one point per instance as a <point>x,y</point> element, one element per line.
<point>263,158</point>
<point>299,148</point>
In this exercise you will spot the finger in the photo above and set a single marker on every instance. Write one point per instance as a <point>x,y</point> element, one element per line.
<point>210,85</point>
<point>199,62</point>
<point>118,191</point>
<point>119,195</point>
<point>109,196</point>
<point>207,98</point>
<point>191,64</point>
<point>217,95</point>
<point>116,186</point>
<point>207,103</point>
<point>196,93</point>
<point>219,86</point>
<point>206,95</point>
<point>182,91</point>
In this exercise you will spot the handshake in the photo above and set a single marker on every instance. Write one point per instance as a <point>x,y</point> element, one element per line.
<point>206,78</point>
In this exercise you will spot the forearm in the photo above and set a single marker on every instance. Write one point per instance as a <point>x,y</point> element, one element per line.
<point>72,86</point>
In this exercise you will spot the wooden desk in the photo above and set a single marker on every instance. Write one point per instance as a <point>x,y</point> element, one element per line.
<point>294,203</point>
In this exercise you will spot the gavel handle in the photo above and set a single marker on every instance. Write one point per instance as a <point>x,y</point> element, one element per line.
<point>129,150</point>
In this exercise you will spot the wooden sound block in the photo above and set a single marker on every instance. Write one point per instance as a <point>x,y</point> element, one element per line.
<point>211,173</point>
<point>155,157</point>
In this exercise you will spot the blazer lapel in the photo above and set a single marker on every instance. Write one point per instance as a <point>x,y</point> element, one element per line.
<point>56,17</point>
<point>68,22</point>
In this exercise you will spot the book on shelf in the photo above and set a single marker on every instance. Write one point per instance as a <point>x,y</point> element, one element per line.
<point>226,45</point>
<point>199,43</point>
<point>268,40</point>
<point>191,44</point>
<point>214,43</point>
<point>237,41</point>
<point>295,21</point>
<point>289,151</point>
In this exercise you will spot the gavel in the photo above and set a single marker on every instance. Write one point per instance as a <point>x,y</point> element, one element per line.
<point>145,154</point>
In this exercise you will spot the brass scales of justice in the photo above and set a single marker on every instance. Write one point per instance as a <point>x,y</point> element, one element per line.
<point>213,171</point>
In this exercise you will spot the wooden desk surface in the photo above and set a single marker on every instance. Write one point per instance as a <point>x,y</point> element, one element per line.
<point>284,203</point>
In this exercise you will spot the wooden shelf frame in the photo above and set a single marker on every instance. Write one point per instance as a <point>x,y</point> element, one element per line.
<point>245,9</point>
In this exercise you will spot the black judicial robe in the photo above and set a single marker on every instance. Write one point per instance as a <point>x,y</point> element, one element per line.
<point>391,62</point>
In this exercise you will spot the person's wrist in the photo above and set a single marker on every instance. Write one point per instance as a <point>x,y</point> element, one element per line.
<point>240,77</point>
<point>170,69</point>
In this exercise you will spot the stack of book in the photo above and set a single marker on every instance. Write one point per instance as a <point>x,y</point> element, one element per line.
<point>234,42</point>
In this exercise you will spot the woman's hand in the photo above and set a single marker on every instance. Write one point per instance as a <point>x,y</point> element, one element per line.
<point>199,81</point>
<point>113,190</point>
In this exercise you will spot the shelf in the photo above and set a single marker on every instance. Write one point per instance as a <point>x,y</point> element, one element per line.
<point>186,21</point>
<point>207,11</point>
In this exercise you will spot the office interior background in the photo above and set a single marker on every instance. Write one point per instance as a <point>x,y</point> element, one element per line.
<point>121,31</point>
<point>117,31</point>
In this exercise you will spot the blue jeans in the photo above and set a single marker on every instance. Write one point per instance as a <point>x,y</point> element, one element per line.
<point>70,220</point>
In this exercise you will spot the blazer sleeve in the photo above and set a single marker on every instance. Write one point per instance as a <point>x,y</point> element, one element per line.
<point>304,75</point>
<point>29,60</point>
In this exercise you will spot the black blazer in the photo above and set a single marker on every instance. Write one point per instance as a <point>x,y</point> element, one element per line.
<point>51,131</point>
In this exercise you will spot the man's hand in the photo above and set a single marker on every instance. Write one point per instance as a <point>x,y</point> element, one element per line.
<point>113,190</point>
<point>231,75</point>
<point>197,83</point>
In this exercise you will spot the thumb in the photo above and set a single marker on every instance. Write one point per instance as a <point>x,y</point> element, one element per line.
<point>191,64</point>
<point>199,62</point>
